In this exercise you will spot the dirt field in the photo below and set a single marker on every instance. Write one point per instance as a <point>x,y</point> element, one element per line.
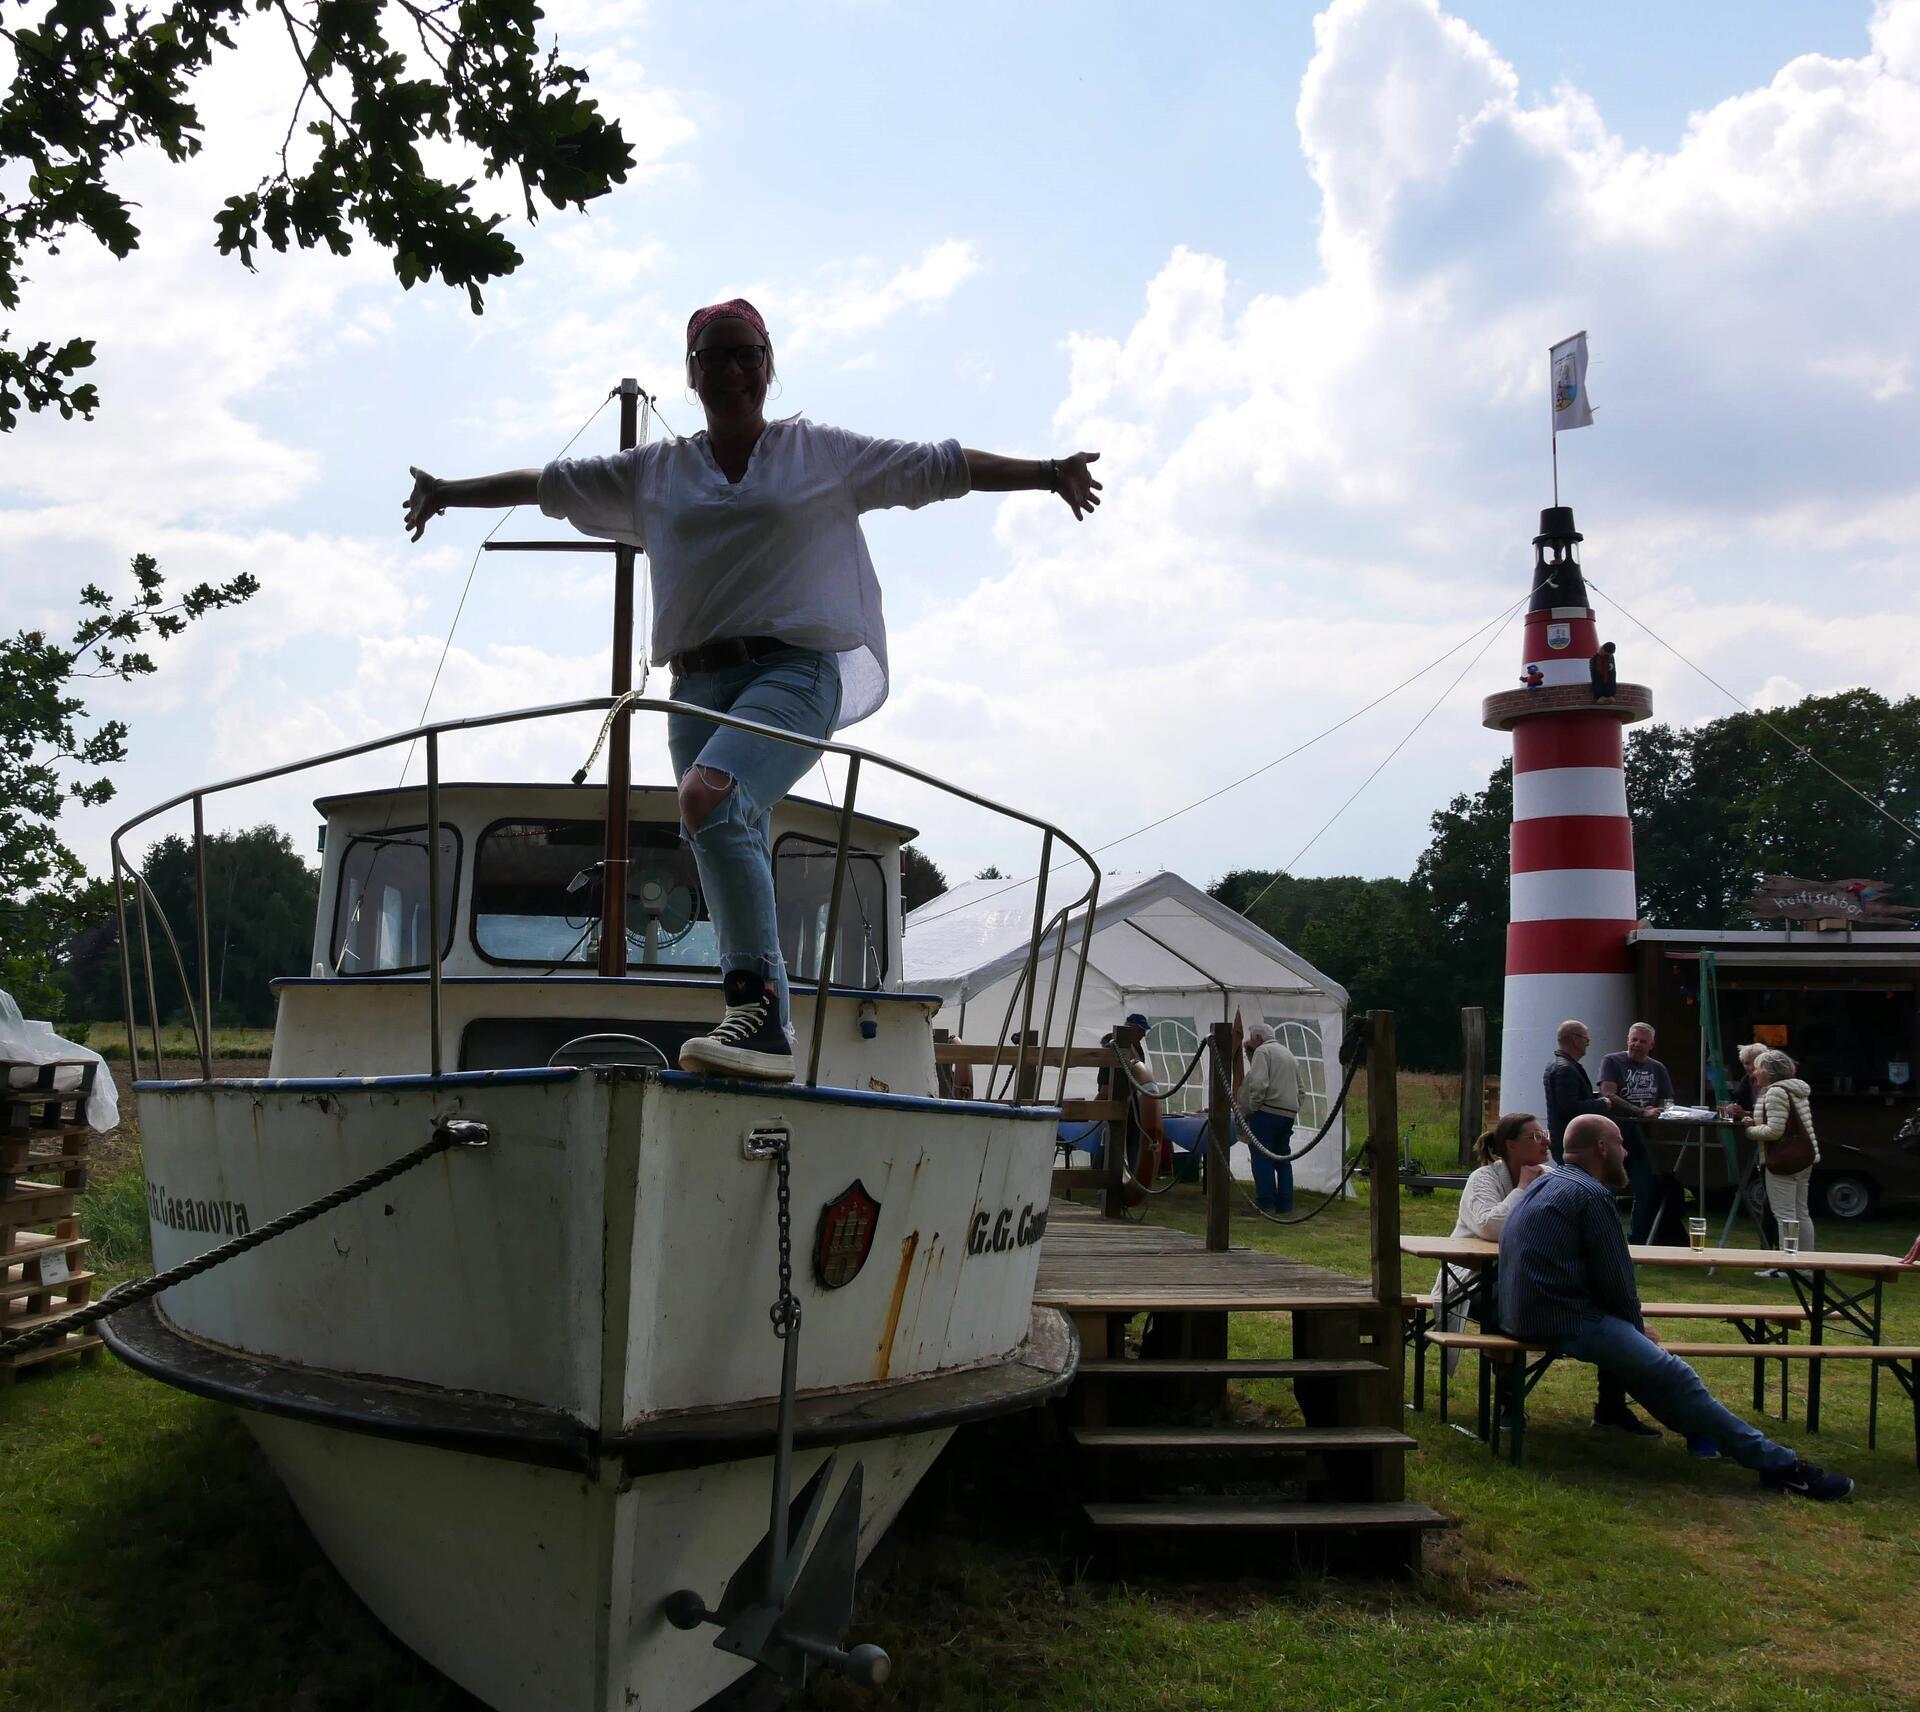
<point>122,1146</point>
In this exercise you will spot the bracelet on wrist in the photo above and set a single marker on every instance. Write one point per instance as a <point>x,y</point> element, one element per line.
<point>1052,467</point>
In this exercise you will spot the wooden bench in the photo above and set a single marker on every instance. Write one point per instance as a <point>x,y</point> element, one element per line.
<point>1503,1403</point>
<point>1758,1323</point>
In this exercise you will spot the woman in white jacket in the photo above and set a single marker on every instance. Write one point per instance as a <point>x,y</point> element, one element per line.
<point>1783,1096</point>
<point>1511,1155</point>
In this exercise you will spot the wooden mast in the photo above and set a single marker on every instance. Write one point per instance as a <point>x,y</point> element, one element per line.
<point>613,868</point>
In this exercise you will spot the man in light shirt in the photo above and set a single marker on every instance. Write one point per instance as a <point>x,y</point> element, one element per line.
<point>1269,1099</point>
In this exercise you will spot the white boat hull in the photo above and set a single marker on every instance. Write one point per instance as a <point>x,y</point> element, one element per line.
<point>539,1590</point>
<point>523,1393</point>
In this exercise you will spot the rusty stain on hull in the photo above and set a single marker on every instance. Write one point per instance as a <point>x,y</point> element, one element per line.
<point>883,1355</point>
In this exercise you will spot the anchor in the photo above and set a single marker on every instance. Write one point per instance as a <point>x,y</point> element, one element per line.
<point>782,1609</point>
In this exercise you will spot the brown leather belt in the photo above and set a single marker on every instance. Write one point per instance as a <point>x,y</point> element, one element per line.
<point>728,651</point>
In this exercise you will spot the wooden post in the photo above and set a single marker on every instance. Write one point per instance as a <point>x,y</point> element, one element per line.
<point>1122,1146</point>
<point>1383,1199</point>
<point>1026,1081</point>
<point>1473,1077</point>
<point>1219,1134</point>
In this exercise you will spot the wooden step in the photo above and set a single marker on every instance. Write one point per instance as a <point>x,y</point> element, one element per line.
<point>1237,1516</point>
<point>1287,1368</point>
<point>1270,1441</point>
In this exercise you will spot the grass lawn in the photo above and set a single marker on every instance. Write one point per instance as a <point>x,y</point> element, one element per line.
<point>177,1041</point>
<point>148,1559</point>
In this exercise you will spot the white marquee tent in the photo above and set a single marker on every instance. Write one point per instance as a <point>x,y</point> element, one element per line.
<point>1160,946</point>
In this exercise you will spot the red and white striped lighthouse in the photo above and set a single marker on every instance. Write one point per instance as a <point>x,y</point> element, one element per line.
<point>1572,901</point>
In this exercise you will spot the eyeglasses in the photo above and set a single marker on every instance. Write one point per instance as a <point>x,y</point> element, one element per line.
<point>752,358</point>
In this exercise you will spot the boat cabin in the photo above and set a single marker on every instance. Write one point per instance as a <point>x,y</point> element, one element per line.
<point>519,926</point>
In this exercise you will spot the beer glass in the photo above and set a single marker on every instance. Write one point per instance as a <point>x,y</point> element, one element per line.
<point>1790,1235</point>
<point>1696,1233</point>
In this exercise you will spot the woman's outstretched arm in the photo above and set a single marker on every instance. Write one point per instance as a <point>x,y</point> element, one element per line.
<point>431,496</point>
<point>1068,477</point>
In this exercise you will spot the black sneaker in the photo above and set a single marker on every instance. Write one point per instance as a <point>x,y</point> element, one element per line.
<point>1624,1421</point>
<point>748,1041</point>
<point>1807,1480</point>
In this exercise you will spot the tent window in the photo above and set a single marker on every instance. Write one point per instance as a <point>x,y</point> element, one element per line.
<point>1171,1044</point>
<point>1302,1039</point>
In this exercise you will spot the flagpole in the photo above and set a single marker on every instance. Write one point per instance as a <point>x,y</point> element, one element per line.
<point>1553,430</point>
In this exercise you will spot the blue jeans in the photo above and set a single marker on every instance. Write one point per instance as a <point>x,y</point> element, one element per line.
<point>1645,1183</point>
<point>1669,1390</point>
<point>1272,1184</point>
<point>797,689</point>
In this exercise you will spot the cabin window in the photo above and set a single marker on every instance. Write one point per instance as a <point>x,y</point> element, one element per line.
<point>536,896</point>
<point>1302,1039</point>
<point>803,895</point>
<point>1171,1044</point>
<point>380,907</point>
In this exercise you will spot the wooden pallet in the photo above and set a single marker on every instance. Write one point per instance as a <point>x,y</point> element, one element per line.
<point>44,1146</point>
<point>36,1104</point>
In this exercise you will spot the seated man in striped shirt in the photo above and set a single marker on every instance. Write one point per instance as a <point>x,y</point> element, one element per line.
<point>1566,1283</point>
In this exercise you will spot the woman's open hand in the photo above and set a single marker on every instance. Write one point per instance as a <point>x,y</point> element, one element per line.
<point>1075,483</point>
<point>423,503</point>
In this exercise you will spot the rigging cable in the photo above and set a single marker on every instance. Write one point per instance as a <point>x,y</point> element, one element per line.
<point>466,588</point>
<point>1247,911</point>
<point>1491,625</point>
<point>1799,748</point>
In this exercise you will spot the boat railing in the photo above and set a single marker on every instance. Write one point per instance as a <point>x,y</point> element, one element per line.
<point>128,879</point>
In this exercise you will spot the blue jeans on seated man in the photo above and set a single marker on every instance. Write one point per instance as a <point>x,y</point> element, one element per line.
<point>1669,1390</point>
<point>797,689</point>
<point>1272,1184</point>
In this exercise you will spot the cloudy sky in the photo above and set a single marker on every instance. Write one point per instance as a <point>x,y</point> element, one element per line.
<point>1293,275</point>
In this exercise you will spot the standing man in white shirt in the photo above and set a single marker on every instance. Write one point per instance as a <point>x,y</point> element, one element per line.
<point>1269,1099</point>
<point>766,607</point>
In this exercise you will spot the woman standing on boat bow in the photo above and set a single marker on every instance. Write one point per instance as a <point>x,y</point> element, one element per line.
<point>765,606</point>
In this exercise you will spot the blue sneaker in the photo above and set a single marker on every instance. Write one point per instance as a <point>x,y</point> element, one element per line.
<point>1807,1480</point>
<point>1702,1448</point>
<point>748,1041</point>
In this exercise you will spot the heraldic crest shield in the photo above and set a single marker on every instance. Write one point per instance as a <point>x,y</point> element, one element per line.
<point>845,1237</point>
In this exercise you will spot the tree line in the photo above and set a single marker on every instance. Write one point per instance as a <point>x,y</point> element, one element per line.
<point>1714,808</point>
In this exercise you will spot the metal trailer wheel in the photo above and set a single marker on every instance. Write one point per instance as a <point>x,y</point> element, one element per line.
<point>1847,1196</point>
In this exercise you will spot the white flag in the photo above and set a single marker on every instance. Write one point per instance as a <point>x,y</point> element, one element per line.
<point>1567,367</point>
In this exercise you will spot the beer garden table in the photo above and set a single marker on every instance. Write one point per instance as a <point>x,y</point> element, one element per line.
<point>1856,1303</point>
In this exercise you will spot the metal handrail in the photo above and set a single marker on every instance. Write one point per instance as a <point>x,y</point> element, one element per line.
<point>431,734</point>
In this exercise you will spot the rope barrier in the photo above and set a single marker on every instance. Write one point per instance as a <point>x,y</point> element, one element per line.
<point>450,1133</point>
<point>1153,1090</point>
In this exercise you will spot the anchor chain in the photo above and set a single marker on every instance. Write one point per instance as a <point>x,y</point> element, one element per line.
<point>785,1312</point>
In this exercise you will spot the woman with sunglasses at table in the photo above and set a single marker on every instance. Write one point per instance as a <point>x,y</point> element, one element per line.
<point>766,606</point>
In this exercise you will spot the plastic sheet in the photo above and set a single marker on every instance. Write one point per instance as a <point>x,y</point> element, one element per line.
<point>25,1043</point>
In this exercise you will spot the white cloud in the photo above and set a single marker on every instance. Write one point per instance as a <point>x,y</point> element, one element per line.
<point>1310,493</point>
<point>855,298</point>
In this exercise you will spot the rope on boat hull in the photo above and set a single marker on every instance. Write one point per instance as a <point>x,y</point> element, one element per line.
<point>448,1134</point>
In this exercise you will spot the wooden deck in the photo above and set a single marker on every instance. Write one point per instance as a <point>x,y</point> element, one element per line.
<point>1095,1265</point>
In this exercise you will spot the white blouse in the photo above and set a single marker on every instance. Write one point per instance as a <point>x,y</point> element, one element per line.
<point>1486,1200</point>
<point>777,553</point>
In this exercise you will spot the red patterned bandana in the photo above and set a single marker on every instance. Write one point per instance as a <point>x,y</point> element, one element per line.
<point>734,306</point>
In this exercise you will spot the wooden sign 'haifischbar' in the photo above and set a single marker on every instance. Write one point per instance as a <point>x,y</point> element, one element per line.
<point>1781,897</point>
